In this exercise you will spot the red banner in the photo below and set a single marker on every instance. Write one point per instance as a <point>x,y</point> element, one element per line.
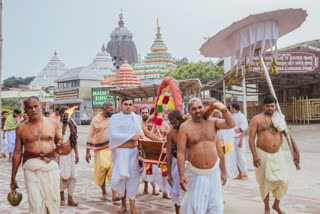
<point>293,62</point>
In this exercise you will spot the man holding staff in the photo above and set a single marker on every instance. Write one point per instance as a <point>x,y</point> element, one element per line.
<point>268,158</point>
<point>199,158</point>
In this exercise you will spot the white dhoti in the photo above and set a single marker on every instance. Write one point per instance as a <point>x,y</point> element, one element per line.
<point>148,178</point>
<point>175,188</point>
<point>11,136</point>
<point>204,191</point>
<point>125,175</point>
<point>272,175</point>
<point>240,154</point>
<point>67,172</point>
<point>42,183</point>
<point>4,144</point>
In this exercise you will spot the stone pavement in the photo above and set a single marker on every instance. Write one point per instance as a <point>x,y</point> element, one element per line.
<point>240,196</point>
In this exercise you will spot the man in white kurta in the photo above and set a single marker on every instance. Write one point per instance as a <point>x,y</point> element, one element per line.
<point>125,129</point>
<point>239,140</point>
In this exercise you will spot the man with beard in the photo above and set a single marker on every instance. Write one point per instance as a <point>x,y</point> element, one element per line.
<point>35,142</point>
<point>98,141</point>
<point>67,162</point>
<point>268,158</point>
<point>145,114</point>
<point>199,157</point>
<point>176,119</point>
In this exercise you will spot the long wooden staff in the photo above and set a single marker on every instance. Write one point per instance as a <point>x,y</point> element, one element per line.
<point>269,82</point>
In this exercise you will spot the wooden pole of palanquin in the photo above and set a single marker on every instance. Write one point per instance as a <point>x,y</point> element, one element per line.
<point>273,93</point>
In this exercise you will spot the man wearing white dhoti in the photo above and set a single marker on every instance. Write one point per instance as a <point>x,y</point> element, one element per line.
<point>199,158</point>
<point>268,158</point>
<point>226,138</point>
<point>67,162</point>
<point>125,129</point>
<point>239,140</point>
<point>35,143</point>
<point>176,119</point>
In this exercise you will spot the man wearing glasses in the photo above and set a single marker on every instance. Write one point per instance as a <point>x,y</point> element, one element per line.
<point>126,128</point>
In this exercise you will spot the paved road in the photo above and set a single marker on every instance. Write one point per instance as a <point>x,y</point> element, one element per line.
<point>240,196</point>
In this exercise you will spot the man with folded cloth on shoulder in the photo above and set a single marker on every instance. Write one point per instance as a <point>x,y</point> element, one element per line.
<point>98,141</point>
<point>199,158</point>
<point>126,128</point>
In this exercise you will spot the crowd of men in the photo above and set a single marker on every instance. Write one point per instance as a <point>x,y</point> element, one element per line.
<point>202,155</point>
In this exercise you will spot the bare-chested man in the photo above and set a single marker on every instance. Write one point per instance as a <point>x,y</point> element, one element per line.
<point>199,157</point>
<point>268,158</point>
<point>36,138</point>
<point>176,119</point>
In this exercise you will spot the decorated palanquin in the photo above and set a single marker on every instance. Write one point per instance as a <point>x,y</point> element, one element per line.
<point>154,152</point>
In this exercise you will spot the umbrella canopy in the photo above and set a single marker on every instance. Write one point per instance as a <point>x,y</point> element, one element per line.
<point>259,31</point>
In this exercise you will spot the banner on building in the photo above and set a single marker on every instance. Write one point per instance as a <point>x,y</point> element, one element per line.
<point>66,95</point>
<point>100,96</point>
<point>291,62</point>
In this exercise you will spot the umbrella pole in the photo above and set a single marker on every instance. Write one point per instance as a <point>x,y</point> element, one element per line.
<point>273,93</point>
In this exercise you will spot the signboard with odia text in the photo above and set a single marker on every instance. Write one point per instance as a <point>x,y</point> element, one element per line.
<point>100,96</point>
<point>290,62</point>
<point>66,95</point>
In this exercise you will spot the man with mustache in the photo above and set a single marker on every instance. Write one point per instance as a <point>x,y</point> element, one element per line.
<point>268,158</point>
<point>199,158</point>
<point>98,141</point>
<point>176,119</point>
<point>35,146</point>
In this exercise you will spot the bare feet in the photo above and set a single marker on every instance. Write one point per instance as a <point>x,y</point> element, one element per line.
<point>155,192</point>
<point>10,159</point>
<point>115,196</point>
<point>3,156</point>
<point>134,212</point>
<point>238,177</point>
<point>277,209</point>
<point>104,197</point>
<point>122,209</point>
<point>267,211</point>
<point>72,203</point>
<point>62,203</point>
<point>166,195</point>
<point>244,177</point>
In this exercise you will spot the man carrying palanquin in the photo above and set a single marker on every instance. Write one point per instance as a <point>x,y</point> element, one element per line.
<point>126,128</point>
<point>176,119</point>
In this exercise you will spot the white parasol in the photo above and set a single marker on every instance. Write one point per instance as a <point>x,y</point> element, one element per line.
<point>256,32</point>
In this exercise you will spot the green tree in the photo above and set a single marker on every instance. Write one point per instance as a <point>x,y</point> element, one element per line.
<point>10,105</point>
<point>15,82</point>
<point>198,70</point>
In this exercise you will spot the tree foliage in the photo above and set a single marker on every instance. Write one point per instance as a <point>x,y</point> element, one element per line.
<point>10,105</point>
<point>15,82</point>
<point>198,70</point>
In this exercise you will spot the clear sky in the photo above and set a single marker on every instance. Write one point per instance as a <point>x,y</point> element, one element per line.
<point>76,29</point>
